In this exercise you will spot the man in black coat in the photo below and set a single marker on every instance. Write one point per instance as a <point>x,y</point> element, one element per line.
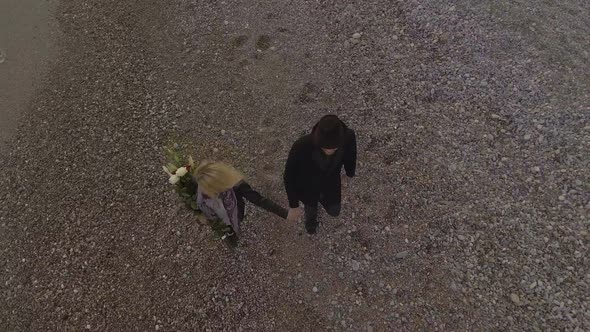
<point>314,167</point>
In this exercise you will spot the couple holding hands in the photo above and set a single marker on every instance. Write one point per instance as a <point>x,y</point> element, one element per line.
<point>313,175</point>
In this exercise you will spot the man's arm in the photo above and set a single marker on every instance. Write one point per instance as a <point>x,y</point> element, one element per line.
<point>350,157</point>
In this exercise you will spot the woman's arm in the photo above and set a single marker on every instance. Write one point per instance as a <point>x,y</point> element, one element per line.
<point>290,176</point>
<point>246,191</point>
<point>350,157</point>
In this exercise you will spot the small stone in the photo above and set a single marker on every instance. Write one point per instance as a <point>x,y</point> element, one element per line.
<point>226,22</point>
<point>461,237</point>
<point>583,233</point>
<point>533,285</point>
<point>387,228</point>
<point>355,265</point>
<point>341,275</point>
<point>536,169</point>
<point>356,35</point>
<point>215,150</point>
<point>222,132</point>
<point>315,289</point>
<point>527,137</point>
<point>402,254</point>
<point>354,41</point>
<point>561,198</point>
<point>157,327</point>
<point>88,327</point>
<point>515,299</point>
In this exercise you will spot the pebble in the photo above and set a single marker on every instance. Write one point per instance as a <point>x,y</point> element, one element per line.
<point>515,299</point>
<point>223,132</point>
<point>315,289</point>
<point>355,265</point>
<point>561,198</point>
<point>402,254</point>
<point>341,275</point>
<point>536,169</point>
<point>356,35</point>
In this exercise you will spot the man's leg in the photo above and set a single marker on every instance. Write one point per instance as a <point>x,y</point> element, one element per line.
<point>333,210</point>
<point>311,218</point>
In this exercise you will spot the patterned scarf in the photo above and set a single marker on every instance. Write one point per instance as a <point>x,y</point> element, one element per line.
<point>224,207</point>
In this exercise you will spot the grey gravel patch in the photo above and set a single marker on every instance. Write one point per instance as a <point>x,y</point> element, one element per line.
<point>442,114</point>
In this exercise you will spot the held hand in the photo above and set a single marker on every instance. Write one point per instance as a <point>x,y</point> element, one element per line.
<point>345,181</point>
<point>294,214</point>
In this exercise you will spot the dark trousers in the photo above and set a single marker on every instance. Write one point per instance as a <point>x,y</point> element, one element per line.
<point>311,214</point>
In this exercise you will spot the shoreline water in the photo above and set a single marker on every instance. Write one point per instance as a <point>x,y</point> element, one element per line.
<point>28,35</point>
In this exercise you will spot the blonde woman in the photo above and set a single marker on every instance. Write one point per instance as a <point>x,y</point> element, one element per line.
<point>221,191</point>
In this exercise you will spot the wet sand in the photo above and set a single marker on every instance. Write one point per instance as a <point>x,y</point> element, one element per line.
<point>27,45</point>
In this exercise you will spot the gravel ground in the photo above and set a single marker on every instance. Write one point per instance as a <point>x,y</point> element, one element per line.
<point>469,212</point>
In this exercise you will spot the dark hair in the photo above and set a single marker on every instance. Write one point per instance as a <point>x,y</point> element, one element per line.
<point>329,132</point>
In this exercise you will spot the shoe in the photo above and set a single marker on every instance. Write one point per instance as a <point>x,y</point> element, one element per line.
<point>311,228</point>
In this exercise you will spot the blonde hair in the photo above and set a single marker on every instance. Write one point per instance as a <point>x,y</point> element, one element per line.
<point>214,177</point>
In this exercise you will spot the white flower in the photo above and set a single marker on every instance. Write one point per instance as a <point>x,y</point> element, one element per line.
<point>166,170</point>
<point>174,179</point>
<point>181,171</point>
